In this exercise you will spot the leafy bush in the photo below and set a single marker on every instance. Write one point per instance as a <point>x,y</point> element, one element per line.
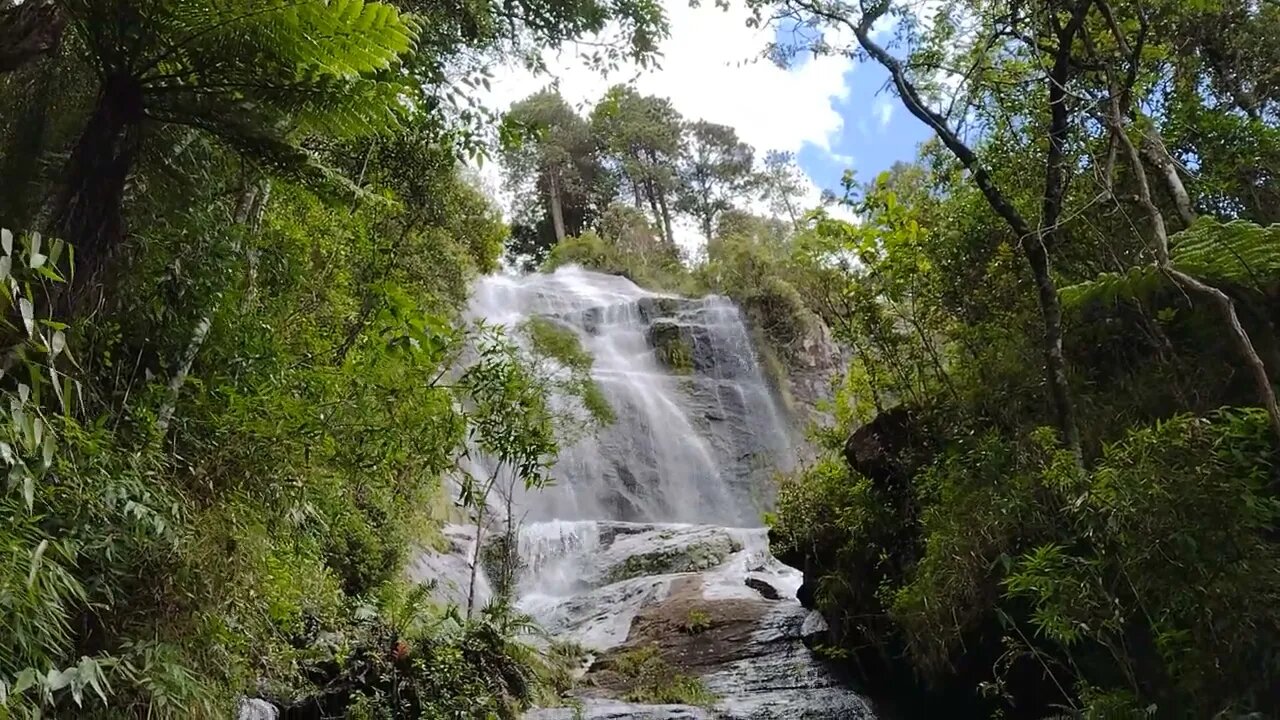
<point>696,622</point>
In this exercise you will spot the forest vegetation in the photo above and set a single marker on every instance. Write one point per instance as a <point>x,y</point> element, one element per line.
<point>238,240</point>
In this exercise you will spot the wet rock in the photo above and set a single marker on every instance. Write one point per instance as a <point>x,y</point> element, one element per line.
<point>766,590</point>
<point>447,571</point>
<point>746,649</point>
<point>596,709</point>
<point>701,554</point>
<point>256,709</point>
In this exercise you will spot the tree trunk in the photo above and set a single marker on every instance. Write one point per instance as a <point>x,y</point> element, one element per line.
<point>557,207</point>
<point>653,206</point>
<point>87,212</point>
<point>28,31</point>
<point>666,218</point>
<point>1154,150</point>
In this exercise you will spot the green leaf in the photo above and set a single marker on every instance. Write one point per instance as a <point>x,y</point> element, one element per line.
<point>28,315</point>
<point>6,240</point>
<point>37,559</point>
<point>1239,252</point>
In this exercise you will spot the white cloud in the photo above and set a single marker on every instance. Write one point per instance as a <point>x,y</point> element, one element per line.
<point>845,161</point>
<point>884,113</point>
<point>711,70</point>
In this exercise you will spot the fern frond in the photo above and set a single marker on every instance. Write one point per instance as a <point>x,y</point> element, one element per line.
<point>289,39</point>
<point>1238,252</point>
<point>1110,288</point>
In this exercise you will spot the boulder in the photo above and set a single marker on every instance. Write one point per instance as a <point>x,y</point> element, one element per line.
<point>701,554</point>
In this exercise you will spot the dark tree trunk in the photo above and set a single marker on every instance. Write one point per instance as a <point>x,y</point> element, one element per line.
<point>28,31</point>
<point>87,212</point>
<point>1033,242</point>
<point>653,206</point>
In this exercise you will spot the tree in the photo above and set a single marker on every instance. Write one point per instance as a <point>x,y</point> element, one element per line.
<point>257,76</point>
<point>552,171</point>
<point>641,137</point>
<point>715,171</point>
<point>28,30</point>
<point>1051,37</point>
<point>782,185</point>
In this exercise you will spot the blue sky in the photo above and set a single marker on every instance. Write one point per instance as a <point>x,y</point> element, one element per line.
<point>875,132</point>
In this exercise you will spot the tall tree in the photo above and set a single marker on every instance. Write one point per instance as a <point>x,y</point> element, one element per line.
<point>641,137</point>
<point>1045,37</point>
<point>715,171</point>
<point>256,75</point>
<point>552,171</point>
<point>781,185</point>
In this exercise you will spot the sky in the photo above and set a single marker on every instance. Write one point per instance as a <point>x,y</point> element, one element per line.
<point>833,112</point>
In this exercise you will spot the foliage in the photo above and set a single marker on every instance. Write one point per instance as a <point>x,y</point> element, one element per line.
<point>696,622</point>
<point>1239,253</point>
<point>650,679</point>
<point>233,397</point>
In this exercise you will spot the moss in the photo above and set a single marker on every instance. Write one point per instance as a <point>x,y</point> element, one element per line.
<point>558,341</point>
<point>652,680</point>
<point>671,347</point>
<point>692,558</point>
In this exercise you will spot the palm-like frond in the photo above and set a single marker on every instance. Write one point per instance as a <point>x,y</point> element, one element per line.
<point>1238,253</point>
<point>294,38</point>
<point>325,66</point>
<point>1110,288</point>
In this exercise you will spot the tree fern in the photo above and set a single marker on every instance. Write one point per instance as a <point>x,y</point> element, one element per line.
<point>1109,288</point>
<point>257,73</point>
<point>1237,253</point>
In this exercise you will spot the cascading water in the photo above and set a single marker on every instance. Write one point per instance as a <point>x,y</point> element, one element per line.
<point>691,443</point>
<point>652,517</point>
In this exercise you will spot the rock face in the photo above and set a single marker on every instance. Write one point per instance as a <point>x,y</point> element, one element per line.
<point>814,363</point>
<point>713,623</point>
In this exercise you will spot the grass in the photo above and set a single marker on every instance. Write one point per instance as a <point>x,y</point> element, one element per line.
<point>696,623</point>
<point>653,681</point>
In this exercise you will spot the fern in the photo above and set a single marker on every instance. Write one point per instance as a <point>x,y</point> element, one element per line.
<point>1110,288</point>
<point>1237,252</point>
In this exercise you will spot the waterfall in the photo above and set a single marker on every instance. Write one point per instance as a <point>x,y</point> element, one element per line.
<point>692,443</point>
<point>656,517</point>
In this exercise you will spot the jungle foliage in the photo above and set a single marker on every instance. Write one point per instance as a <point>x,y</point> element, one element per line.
<point>238,241</point>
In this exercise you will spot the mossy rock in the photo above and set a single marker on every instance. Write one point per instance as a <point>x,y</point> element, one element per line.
<point>672,346</point>
<point>698,556</point>
<point>656,307</point>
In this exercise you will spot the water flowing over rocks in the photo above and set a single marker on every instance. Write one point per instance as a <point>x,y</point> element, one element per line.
<point>648,542</point>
